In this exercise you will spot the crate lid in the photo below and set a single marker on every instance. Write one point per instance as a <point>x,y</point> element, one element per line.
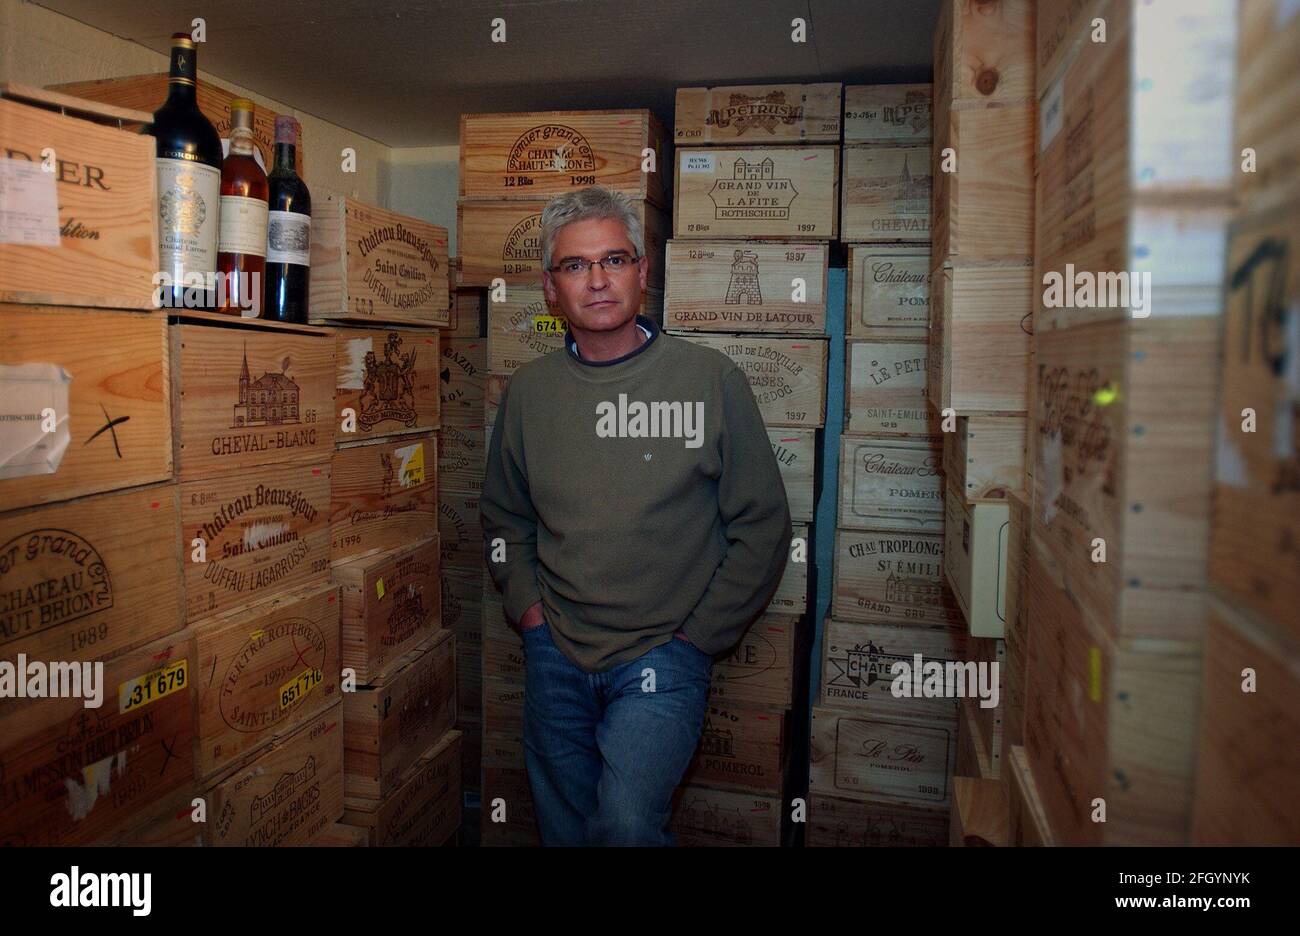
<point>72,106</point>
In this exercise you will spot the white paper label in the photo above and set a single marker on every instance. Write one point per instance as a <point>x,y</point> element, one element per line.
<point>698,162</point>
<point>189,199</point>
<point>33,419</point>
<point>29,207</point>
<point>243,225</point>
<point>352,365</point>
<point>288,238</point>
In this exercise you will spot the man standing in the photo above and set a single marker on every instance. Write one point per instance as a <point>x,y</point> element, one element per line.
<point>632,486</point>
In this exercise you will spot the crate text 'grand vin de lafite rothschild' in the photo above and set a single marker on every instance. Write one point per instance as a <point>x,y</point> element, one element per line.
<point>241,257</point>
<point>189,181</point>
<point>288,234</point>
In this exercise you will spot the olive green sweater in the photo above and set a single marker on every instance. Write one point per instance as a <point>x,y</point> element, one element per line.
<point>629,520</point>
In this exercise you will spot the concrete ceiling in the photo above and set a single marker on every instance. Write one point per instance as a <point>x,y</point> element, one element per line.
<point>402,71</point>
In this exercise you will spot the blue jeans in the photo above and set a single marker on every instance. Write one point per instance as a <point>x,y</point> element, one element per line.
<point>604,754</point>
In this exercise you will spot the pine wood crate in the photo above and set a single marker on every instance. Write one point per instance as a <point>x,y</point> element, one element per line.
<point>90,578</point>
<point>760,668</point>
<point>791,595</point>
<point>1026,819</point>
<point>755,286</point>
<point>502,651</point>
<point>172,827</point>
<point>889,113</point>
<point>58,757</point>
<point>985,456</point>
<point>979,813</point>
<point>891,484</point>
<point>502,240</point>
<point>796,456</point>
<point>471,759</point>
<point>264,531</point>
<point>884,389</point>
<point>834,822</point>
<point>975,560</point>
<point>1248,765</point>
<point>1125,431</point>
<point>888,292</point>
<point>972,756</point>
<point>886,194</point>
<point>425,809</point>
<point>340,835</point>
<point>540,154</point>
<point>1108,718</point>
<point>286,793</point>
<point>46,361</point>
<point>743,749</point>
<point>1060,26</point>
<point>463,375</point>
<point>508,817</point>
<point>984,51</point>
<point>468,312</point>
<point>884,576</point>
<point>394,380</point>
<point>494,394</point>
<point>708,818</point>
<point>147,93</point>
<point>857,668</point>
<point>773,193</point>
<point>461,531</point>
<point>765,113</point>
<point>371,265</point>
<point>1016,642</point>
<point>892,759</point>
<point>462,605</point>
<point>1256,520</point>
<point>1266,117</point>
<point>270,669</point>
<point>462,450</point>
<point>389,724</point>
<point>391,603</point>
<point>984,209</point>
<point>787,375</point>
<point>85,234</point>
<point>503,703</point>
<point>501,750</point>
<point>384,494</point>
<point>980,336</point>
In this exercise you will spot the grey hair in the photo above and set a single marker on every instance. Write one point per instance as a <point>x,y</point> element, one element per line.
<point>592,203</point>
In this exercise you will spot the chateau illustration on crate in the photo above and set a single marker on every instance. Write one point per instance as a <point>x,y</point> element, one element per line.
<point>270,400</point>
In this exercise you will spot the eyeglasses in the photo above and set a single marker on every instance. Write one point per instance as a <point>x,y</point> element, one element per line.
<point>615,263</point>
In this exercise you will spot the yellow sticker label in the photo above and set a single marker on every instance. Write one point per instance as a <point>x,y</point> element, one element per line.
<point>256,635</point>
<point>549,324</point>
<point>1094,673</point>
<point>143,690</point>
<point>411,462</point>
<point>295,690</point>
<point>379,588</point>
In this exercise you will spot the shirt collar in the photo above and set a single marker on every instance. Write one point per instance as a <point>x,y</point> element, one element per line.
<point>648,327</point>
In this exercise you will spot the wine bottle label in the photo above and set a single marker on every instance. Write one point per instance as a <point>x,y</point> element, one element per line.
<point>243,225</point>
<point>189,200</point>
<point>288,238</point>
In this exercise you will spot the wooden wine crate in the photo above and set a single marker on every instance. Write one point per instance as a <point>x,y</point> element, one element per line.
<point>791,596</point>
<point>1027,825</point>
<point>891,759</point>
<point>463,375</point>
<point>503,703</point>
<point>494,394</point>
<point>1125,430</point>
<point>1108,718</point>
<point>777,192</point>
<point>889,292</point>
<point>1248,766</point>
<point>173,827</point>
<point>46,361</point>
<point>384,494</point>
<point>889,113</point>
<point>985,456</point>
<point>462,453</point>
<point>975,548</point>
<point>1016,641</point>
<point>471,759</point>
<point>540,154</point>
<point>796,456</point>
<point>86,233</point>
<point>508,817</point>
<point>972,755</point>
<point>264,531</point>
<point>891,484</point>
<point>468,313</point>
<point>886,194</point>
<point>391,604</point>
<point>270,669</point>
<point>392,379</point>
<point>752,287</point>
<point>858,668</point>
<point>990,722</point>
<point>1267,113</point>
<point>1256,519</point>
<point>284,795</point>
<point>462,605</point>
<point>758,114</point>
<point>984,51</point>
<point>980,336</point>
<point>979,813</point>
<point>503,240</point>
<point>388,725</point>
<point>884,389</point>
<point>341,835</point>
<point>461,530</point>
<point>75,775</point>
<point>1060,27</point>
<point>147,93</point>
<point>502,659</point>
<point>787,375</point>
<point>425,809</point>
<point>881,576</point>
<point>708,818</point>
<point>376,266</point>
<point>834,822</point>
<point>760,669</point>
<point>742,749</point>
<point>87,579</point>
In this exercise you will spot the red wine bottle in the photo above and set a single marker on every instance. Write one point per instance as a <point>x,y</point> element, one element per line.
<point>288,233</point>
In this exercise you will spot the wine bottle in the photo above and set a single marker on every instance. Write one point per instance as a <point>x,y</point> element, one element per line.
<point>288,233</point>
<point>241,260</point>
<point>188,161</point>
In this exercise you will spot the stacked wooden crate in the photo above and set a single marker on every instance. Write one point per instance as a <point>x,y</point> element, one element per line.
<point>1249,763</point>
<point>755,210</point>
